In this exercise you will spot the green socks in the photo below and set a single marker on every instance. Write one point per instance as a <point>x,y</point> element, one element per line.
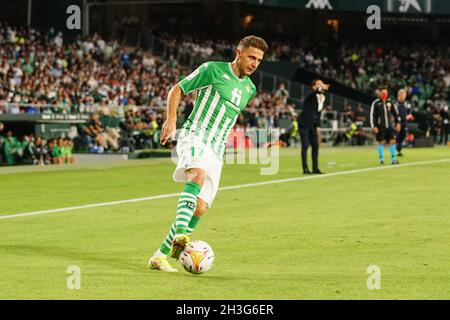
<point>185,221</point>
<point>186,207</point>
<point>192,224</point>
<point>166,246</point>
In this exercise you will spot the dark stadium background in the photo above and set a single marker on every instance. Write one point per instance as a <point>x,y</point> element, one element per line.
<point>159,26</point>
<point>88,190</point>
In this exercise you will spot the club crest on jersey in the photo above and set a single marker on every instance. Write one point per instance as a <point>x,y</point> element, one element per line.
<point>248,88</point>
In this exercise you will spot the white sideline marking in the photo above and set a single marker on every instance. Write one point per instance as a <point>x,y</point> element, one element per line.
<point>248,185</point>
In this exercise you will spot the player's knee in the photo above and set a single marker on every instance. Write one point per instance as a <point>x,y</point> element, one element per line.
<point>196,175</point>
<point>201,208</point>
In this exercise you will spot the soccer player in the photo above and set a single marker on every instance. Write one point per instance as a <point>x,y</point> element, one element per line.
<point>223,90</point>
<point>383,116</point>
<point>404,109</point>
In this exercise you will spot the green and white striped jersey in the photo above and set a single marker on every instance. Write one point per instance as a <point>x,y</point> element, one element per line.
<point>221,97</point>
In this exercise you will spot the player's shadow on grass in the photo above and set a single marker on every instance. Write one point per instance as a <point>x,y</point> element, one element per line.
<point>210,276</point>
<point>76,256</point>
<point>73,256</point>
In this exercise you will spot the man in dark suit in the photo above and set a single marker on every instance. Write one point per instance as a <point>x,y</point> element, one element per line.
<point>309,123</point>
<point>404,110</point>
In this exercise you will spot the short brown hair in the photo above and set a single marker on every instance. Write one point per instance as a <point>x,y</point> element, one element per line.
<point>253,41</point>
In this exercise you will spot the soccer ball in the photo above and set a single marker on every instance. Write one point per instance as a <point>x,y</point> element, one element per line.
<point>197,257</point>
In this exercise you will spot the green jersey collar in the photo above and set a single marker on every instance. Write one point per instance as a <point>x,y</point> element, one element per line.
<point>234,74</point>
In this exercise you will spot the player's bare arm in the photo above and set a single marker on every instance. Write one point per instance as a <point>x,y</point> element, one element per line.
<point>170,125</point>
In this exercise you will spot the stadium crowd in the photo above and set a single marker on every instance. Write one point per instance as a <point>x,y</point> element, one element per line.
<point>82,76</point>
<point>39,72</point>
<point>29,149</point>
<point>423,70</point>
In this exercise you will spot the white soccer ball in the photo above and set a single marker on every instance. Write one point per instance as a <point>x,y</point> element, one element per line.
<point>197,257</point>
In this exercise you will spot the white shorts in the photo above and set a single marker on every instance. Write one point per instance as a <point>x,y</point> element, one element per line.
<point>193,153</point>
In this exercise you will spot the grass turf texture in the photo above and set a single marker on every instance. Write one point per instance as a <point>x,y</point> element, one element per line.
<point>310,239</point>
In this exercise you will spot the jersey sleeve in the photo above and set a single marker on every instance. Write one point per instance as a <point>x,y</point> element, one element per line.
<point>373,115</point>
<point>199,78</point>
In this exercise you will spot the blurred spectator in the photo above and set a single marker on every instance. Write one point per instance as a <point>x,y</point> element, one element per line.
<point>2,139</point>
<point>96,148</point>
<point>10,148</point>
<point>360,115</point>
<point>282,92</point>
<point>57,152</point>
<point>354,136</point>
<point>50,149</point>
<point>39,152</point>
<point>293,132</point>
<point>349,114</point>
<point>445,125</point>
<point>67,151</point>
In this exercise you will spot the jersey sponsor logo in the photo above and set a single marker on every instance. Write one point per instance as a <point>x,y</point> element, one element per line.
<point>319,4</point>
<point>232,106</point>
<point>226,76</point>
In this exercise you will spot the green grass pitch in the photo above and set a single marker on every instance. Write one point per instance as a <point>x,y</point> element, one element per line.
<point>307,239</point>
